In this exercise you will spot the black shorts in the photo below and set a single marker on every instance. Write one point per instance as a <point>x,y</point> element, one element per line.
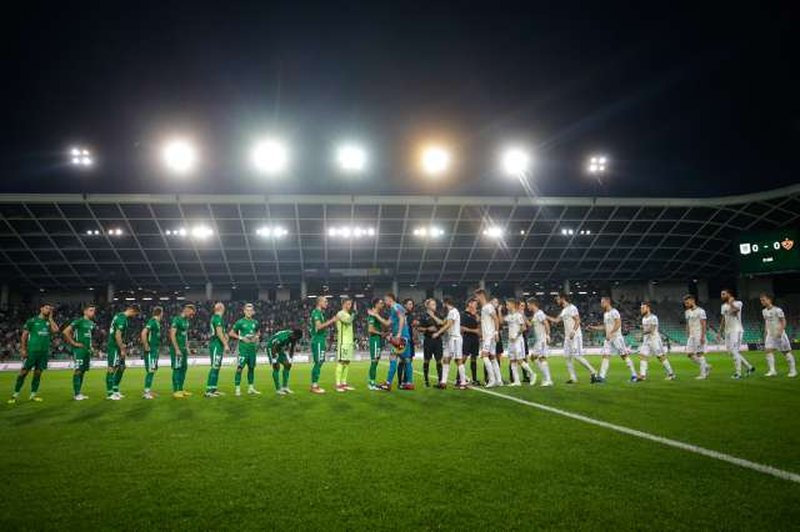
<point>471,348</point>
<point>432,349</point>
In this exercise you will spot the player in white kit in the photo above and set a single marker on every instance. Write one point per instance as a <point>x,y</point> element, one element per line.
<point>489,335</point>
<point>515,321</point>
<point>776,338</point>
<point>651,344</point>
<point>453,347</point>
<point>696,325</point>
<point>573,338</point>
<point>614,342</point>
<point>732,331</point>
<point>541,339</point>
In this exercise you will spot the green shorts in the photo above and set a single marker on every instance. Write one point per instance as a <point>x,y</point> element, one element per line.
<point>114,359</point>
<point>36,360</point>
<point>278,358</point>
<point>215,351</point>
<point>318,351</point>
<point>344,353</point>
<point>179,360</point>
<point>151,361</point>
<point>81,360</point>
<point>245,359</point>
<point>375,347</point>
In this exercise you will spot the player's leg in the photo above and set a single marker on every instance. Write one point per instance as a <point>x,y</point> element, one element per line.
<point>392,371</point>
<point>448,356</point>
<point>487,366</point>
<point>111,370</point>
<point>374,358</point>
<point>577,354</point>
<point>276,377</point>
<point>210,388</point>
<point>605,360</point>
<point>522,360</point>
<point>790,361</point>
<point>318,357</point>
<point>427,355</point>
<point>120,371</point>
<point>82,365</point>
<point>251,374</point>
<point>175,362</point>
<point>457,353</point>
<point>20,381</point>
<point>150,367</point>
<point>286,363</point>
<point>438,354</point>
<point>496,358</point>
<point>345,373</point>
<point>473,368</point>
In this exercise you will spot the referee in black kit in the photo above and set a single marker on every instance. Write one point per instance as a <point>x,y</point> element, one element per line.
<point>429,323</point>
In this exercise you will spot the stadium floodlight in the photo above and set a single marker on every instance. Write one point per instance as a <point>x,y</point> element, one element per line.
<point>351,158</point>
<point>435,160</point>
<point>116,231</point>
<point>80,156</point>
<point>597,165</point>
<point>428,232</point>
<point>347,232</point>
<point>201,231</point>
<point>270,156</point>
<point>493,231</point>
<point>180,156</point>
<point>515,161</point>
<point>272,232</point>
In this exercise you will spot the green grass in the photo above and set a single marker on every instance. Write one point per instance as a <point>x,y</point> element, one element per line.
<point>428,459</point>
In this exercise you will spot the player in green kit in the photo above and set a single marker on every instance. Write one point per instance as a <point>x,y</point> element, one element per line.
<point>318,331</point>
<point>246,330</point>
<point>217,346</point>
<point>78,335</point>
<point>35,350</point>
<point>179,350</point>
<point>280,350</point>
<point>376,333</point>
<point>117,351</point>
<point>345,345</point>
<point>151,341</point>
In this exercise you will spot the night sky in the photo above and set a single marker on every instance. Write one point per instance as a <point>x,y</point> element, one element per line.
<point>686,102</point>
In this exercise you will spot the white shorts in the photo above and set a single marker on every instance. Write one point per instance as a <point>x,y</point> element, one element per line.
<point>454,348</point>
<point>780,343</point>
<point>733,341</point>
<point>539,349</point>
<point>516,349</point>
<point>573,347</point>
<point>489,346</point>
<point>693,345</point>
<point>615,346</point>
<point>652,347</point>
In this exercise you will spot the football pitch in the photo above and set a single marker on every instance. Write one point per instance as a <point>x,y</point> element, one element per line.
<point>427,459</point>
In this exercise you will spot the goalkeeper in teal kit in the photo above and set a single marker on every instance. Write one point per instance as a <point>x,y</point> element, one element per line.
<point>280,350</point>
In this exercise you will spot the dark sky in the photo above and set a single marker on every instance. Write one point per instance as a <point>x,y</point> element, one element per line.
<point>696,101</point>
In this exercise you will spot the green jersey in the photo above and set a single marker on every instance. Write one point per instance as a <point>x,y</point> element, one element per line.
<point>344,329</point>
<point>38,333</point>
<point>279,341</point>
<point>216,322</point>
<point>119,323</point>
<point>82,333</point>
<point>317,316</point>
<point>181,326</point>
<point>246,328</point>
<point>373,322</point>
<point>153,327</point>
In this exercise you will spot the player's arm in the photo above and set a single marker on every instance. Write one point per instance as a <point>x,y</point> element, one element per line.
<point>233,333</point>
<point>703,328</point>
<point>173,338</point>
<point>67,333</point>
<point>119,341</point>
<point>617,326</point>
<point>372,330</point>
<point>23,346</point>
<point>577,325</point>
<point>144,337</point>
<point>448,324</point>
<point>436,318</point>
<point>220,332</point>
<point>551,319</point>
<point>547,329</point>
<point>384,321</point>
<point>53,325</point>
<point>401,323</point>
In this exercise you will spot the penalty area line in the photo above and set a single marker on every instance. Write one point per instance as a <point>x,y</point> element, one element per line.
<point>710,453</point>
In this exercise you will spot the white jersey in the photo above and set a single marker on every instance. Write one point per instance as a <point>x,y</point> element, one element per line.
<point>539,329</point>
<point>732,314</point>
<point>772,321</point>
<point>609,320</point>
<point>488,325</point>
<point>515,322</point>
<point>455,329</point>
<point>569,315</point>
<point>694,317</point>
<point>650,326</point>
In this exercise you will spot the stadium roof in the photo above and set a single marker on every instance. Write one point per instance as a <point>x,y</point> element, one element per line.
<point>48,241</point>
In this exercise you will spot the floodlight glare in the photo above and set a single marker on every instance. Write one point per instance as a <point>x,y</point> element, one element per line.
<point>493,231</point>
<point>435,160</point>
<point>270,157</point>
<point>80,157</point>
<point>201,231</point>
<point>598,164</point>
<point>515,161</point>
<point>351,158</point>
<point>179,156</point>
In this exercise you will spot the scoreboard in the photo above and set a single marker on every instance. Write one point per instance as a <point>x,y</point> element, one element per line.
<point>769,251</point>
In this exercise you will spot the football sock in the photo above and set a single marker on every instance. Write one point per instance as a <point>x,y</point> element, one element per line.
<point>462,374</point>
<point>285,377</point>
<point>409,372</point>
<point>487,366</point>
<point>251,375</point>
<point>276,378</point>
<point>315,371</point>
<point>426,368</point>
<point>497,374</point>
<point>76,383</point>
<point>585,363</point>
<point>545,367</point>
<point>176,380</point>
<point>604,367</point>
<point>445,371</point>
<point>746,362</point>
<point>473,368</point>
<point>770,362</point>
<point>148,380</point>
<point>667,366</point>
<point>210,380</point>
<point>338,374</point>
<point>184,371</point>
<point>345,372</point>
<point>35,382</point>
<point>631,368</point>
<point>110,382</point>
<point>237,379</point>
<point>571,368</point>
<point>514,374</point>
<point>401,369</point>
<point>791,362</point>
<point>643,364</point>
<point>392,371</point>
<point>439,370</point>
<point>373,371</point>
<point>19,383</point>
<point>737,362</point>
<point>118,377</point>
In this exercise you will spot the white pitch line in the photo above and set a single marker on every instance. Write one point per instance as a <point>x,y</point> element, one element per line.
<point>741,462</point>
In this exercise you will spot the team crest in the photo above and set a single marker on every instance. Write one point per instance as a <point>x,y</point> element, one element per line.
<point>787,244</point>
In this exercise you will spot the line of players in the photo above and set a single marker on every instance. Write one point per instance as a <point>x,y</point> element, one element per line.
<point>455,338</point>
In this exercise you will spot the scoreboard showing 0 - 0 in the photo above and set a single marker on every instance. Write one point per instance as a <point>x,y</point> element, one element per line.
<point>769,251</point>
